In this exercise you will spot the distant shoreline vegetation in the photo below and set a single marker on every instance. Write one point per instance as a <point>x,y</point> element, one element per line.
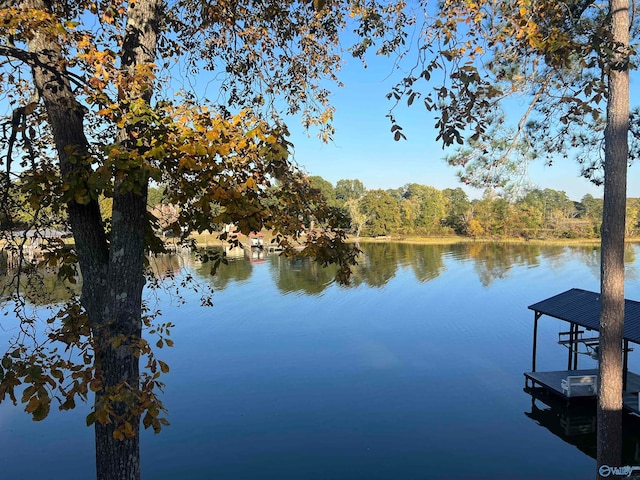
<point>418,211</point>
<point>452,240</point>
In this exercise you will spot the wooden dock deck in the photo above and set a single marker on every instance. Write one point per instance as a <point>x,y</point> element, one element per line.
<point>552,382</point>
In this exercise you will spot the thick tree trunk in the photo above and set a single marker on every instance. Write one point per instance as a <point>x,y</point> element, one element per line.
<point>118,367</point>
<point>613,228</point>
<point>120,459</point>
<point>113,274</point>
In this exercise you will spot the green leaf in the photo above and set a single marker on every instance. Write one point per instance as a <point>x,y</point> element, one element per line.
<point>82,197</point>
<point>91,419</point>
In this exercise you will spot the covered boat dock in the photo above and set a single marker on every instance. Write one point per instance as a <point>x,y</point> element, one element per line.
<point>581,310</point>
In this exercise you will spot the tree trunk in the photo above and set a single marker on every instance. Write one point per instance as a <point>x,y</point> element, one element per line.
<point>118,367</point>
<point>613,228</point>
<point>120,458</point>
<point>113,274</point>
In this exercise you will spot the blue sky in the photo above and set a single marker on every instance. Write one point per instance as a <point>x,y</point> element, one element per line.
<point>364,148</point>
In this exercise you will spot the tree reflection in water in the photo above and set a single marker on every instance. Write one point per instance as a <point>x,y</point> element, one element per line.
<point>377,265</point>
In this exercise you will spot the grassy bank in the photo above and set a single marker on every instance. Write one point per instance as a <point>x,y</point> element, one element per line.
<point>211,239</point>
<point>450,240</point>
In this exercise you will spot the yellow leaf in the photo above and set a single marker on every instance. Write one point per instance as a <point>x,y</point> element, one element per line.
<point>33,405</point>
<point>128,430</point>
<point>102,416</point>
<point>95,385</point>
<point>163,366</point>
<point>147,420</point>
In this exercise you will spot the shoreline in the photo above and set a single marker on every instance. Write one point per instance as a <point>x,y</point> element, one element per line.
<point>418,240</point>
<point>211,239</point>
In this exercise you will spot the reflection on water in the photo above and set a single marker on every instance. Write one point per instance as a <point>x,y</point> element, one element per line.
<point>576,423</point>
<point>38,287</point>
<point>412,371</point>
<point>377,265</point>
<point>300,275</point>
<point>235,270</point>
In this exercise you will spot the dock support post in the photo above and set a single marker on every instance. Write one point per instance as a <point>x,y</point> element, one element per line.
<point>625,365</point>
<point>535,340</point>
<point>570,356</point>
<point>575,350</point>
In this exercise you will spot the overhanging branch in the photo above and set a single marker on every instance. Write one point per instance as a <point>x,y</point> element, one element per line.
<point>33,60</point>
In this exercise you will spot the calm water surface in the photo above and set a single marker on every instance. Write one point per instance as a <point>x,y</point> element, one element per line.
<point>413,372</point>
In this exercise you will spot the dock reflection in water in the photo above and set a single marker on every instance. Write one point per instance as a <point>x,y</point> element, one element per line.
<point>576,424</point>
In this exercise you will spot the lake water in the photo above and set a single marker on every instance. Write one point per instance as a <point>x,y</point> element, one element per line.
<point>413,372</point>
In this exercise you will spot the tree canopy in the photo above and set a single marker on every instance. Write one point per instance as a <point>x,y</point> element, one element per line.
<point>106,99</point>
<point>572,61</point>
<point>515,83</point>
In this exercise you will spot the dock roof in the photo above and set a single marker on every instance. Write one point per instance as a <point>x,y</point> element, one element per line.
<point>582,307</point>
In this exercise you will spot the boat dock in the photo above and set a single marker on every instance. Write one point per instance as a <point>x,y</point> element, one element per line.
<point>552,381</point>
<point>581,310</point>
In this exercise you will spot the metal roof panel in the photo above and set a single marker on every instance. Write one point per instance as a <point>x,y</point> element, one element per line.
<point>582,307</point>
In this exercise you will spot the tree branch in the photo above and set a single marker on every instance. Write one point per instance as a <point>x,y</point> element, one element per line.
<point>33,60</point>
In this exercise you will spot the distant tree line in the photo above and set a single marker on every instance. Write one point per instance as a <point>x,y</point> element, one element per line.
<point>423,210</point>
<point>412,209</point>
